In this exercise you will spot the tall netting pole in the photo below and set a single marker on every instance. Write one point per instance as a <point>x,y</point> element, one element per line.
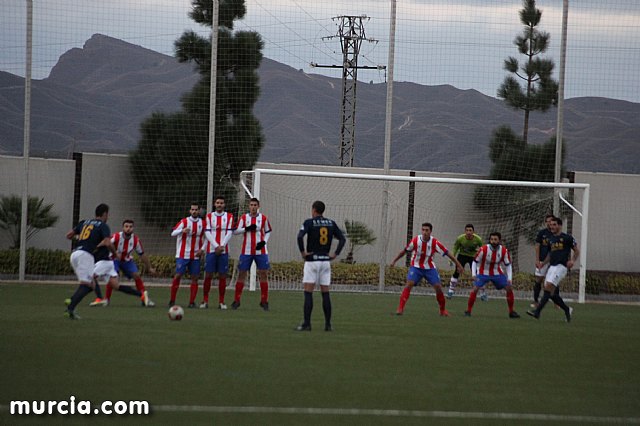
<point>212,104</point>
<point>27,141</point>
<point>384,234</point>
<point>560,116</point>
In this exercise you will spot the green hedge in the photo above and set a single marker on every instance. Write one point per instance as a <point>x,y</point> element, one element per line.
<point>56,262</point>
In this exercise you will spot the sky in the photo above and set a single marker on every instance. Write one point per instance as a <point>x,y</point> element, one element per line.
<point>462,43</point>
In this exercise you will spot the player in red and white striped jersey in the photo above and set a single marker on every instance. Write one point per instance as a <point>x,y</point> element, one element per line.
<point>492,263</point>
<point>256,229</point>
<point>218,232</point>
<point>126,242</point>
<point>424,247</point>
<point>189,232</point>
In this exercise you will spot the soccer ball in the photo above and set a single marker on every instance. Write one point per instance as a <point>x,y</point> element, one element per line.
<point>176,313</point>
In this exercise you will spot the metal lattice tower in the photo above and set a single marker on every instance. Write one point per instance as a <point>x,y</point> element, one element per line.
<point>351,33</point>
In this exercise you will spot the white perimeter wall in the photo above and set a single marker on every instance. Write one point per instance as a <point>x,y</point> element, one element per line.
<point>614,229</point>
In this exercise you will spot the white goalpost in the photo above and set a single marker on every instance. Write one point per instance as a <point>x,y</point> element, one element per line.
<point>448,202</point>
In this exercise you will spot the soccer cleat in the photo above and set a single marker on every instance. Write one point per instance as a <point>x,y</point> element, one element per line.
<point>444,313</point>
<point>327,327</point>
<point>67,302</point>
<point>191,305</point>
<point>99,302</point>
<point>484,297</point>
<point>222,307</point>
<point>467,313</point>
<point>204,305</point>
<point>397,313</point>
<point>171,303</point>
<point>235,305</point>
<point>533,314</point>
<point>534,305</point>
<point>146,301</point>
<point>449,294</point>
<point>569,315</point>
<point>514,314</point>
<point>303,327</point>
<point>71,315</point>
<point>264,306</point>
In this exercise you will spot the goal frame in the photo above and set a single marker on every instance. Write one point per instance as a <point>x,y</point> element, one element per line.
<point>257,174</point>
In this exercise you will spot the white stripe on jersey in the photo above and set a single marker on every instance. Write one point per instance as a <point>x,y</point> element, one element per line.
<point>220,225</point>
<point>424,251</point>
<point>250,239</point>
<point>188,245</point>
<point>125,246</point>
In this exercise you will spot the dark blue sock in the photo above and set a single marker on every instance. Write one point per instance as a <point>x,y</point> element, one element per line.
<point>97,290</point>
<point>129,290</point>
<point>558,301</point>
<point>545,298</point>
<point>326,307</point>
<point>308,307</point>
<point>77,297</point>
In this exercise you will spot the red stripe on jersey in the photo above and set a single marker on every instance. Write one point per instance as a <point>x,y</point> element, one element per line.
<point>183,240</point>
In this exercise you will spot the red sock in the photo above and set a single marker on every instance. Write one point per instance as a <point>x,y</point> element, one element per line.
<point>406,292</point>
<point>239,287</point>
<point>139,284</point>
<point>174,289</point>
<point>510,300</point>
<point>472,300</point>
<point>222,288</point>
<point>109,292</point>
<point>264,291</point>
<point>194,292</point>
<point>441,300</point>
<point>206,288</point>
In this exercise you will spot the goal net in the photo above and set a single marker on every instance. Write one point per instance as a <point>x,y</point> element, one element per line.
<point>355,202</point>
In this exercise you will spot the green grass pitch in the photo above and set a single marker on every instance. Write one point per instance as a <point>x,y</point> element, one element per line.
<point>443,370</point>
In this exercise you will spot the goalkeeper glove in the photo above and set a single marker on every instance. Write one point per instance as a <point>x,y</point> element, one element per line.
<point>260,245</point>
<point>251,227</point>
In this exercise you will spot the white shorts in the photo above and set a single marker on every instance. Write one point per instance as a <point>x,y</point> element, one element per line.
<point>542,272</point>
<point>555,274</point>
<point>104,270</point>
<point>82,263</point>
<point>318,272</point>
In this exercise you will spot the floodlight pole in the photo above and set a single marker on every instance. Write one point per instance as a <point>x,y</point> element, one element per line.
<point>560,117</point>
<point>27,141</point>
<point>384,234</point>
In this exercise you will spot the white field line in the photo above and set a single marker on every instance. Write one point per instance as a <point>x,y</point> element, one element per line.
<point>396,413</point>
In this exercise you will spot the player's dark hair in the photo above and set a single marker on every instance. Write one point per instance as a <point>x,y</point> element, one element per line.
<point>255,199</point>
<point>497,234</point>
<point>469,225</point>
<point>557,220</point>
<point>127,221</point>
<point>102,209</point>
<point>429,225</point>
<point>219,197</point>
<point>195,204</point>
<point>318,206</point>
<point>548,216</point>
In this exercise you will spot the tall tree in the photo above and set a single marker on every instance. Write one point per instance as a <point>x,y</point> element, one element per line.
<point>540,91</point>
<point>170,163</point>
<point>39,216</point>
<point>518,212</point>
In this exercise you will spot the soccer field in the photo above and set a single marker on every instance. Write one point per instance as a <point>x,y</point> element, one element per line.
<point>249,367</point>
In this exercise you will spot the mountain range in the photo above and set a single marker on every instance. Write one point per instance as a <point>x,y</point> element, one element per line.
<point>96,97</point>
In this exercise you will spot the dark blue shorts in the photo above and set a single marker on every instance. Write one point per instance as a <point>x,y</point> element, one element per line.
<point>128,268</point>
<point>262,262</point>
<point>499,281</point>
<point>217,263</point>
<point>192,264</point>
<point>416,274</point>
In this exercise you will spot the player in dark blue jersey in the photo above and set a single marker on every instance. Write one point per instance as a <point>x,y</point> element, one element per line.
<point>560,261</point>
<point>542,249</point>
<point>320,232</point>
<point>93,242</point>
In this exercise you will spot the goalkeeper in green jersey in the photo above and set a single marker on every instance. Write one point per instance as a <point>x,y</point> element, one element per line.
<point>465,249</point>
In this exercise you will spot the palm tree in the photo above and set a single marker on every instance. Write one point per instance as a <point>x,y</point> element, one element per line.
<point>39,217</point>
<point>358,234</point>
